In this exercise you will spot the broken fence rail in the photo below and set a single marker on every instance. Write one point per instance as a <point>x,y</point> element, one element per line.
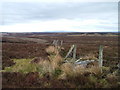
<point>85,62</point>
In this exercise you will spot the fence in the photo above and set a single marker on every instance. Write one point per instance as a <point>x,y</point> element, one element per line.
<point>71,55</point>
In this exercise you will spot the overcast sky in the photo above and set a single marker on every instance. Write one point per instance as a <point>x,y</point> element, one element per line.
<point>29,16</point>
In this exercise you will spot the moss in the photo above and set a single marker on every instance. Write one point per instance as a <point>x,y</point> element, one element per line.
<point>22,65</point>
<point>8,69</point>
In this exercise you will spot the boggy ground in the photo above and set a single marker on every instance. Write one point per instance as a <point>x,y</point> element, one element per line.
<point>86,46</point>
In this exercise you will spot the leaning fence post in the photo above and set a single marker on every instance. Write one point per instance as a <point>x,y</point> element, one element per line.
<point>53,42</point>
<point>70,50</point>
<point>101,56</point>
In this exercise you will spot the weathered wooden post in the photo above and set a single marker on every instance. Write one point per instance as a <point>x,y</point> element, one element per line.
<point>118,68</point>
<point>53,42</point>
<point>74,53</point>
<point>61,42</point>
<point>56,43</point>
<point>101,57</point>
<point>70,50</point>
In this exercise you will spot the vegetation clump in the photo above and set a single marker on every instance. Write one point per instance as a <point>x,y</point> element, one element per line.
<point>53,71</point>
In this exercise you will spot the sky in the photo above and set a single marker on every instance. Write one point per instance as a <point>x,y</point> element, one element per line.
<point>58,16</point>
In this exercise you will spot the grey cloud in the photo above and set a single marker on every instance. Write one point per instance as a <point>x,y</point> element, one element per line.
<point>23,12</point>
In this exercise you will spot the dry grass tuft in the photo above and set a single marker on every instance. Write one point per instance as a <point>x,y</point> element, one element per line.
<point>45,66</point>
<point>56,61</point>
<point>51,50</point>
<point>67,68</point>
<point>70,70</point>
<point>89,56</point>
<point>79,70</point>
<point>94,69</point>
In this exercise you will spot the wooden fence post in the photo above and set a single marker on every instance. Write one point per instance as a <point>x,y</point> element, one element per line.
<point>61,42</point>
<point>70,50</point>
<point>56,44</point>
<point>101,57</point>
<point>53,42</point>
<point>118,68</point>
<point>74,53</point>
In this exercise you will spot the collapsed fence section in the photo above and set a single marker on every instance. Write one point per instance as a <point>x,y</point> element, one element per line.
<point>71,56</point>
